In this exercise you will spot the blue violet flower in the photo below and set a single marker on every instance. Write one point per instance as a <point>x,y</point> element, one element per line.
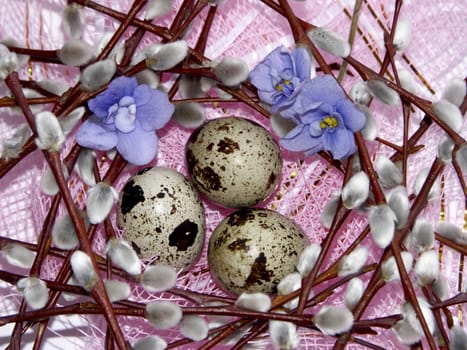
<point>279,74</point>
<point>325,119</point>
<point>126,116</point>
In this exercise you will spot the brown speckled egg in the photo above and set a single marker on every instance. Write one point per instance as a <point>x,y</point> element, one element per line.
<point>251,250</point>
<point>233,161</point>
<point>162,216</point>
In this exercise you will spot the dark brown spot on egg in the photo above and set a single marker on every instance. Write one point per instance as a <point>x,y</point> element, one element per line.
<point>227,146</point>
<point>259,273</point>
<point>240,217</point>
<point>271,180</point>
<point>210,146</point>
<point>210,181</point>
<point>142,171</point>
<point>132,195</point>
<point>184,235</point>
<point>190,159</point>
<point>239,244</point>
<point>161,195</point>
<point>223,127</point>
<point>136,248</point>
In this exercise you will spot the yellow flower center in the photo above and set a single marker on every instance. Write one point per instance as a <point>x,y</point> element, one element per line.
<point>279,85</point>
<point>328,122</point>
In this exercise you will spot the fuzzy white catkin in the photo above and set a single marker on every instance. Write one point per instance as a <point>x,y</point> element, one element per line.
<point>354,292</point>
<point>356,190</point>
<point>117,290</point>
<point>389,269</point>
<point>194,327</point>
<point>123,255</point>
<point>420,180</point>
<point>19,256</point>
<point>451,231</point>
<point>283,335</point>
<point>307,259</point>
<point>353,261</point>
<point>151,342</point>
<point>461,157</point>
<point>254,301</point>
<point>35,291</point>
<point>422,236</point>
<point>231,71</point>
<point>370,130</point>
<point>445,149</point>
<point>329,41</point>
<point>332,320</point>
<point>50,135</point>
<point>73,21</point>
<point>388,173</point>
<point>384,93</point>
<point>48,184</point>
<point>163,314</point>
<point>12,146</point>
<point>409,314</point>
<point>455,91</point>
<point>157,8</point>
<point>382,224</point>
<point>427,268</point>
<point>76,52</point>
<point>101,198</point>
<point>359,93</point>
<point>56,87</point>
<point>158,278</point>
<point>70,120</point>
<point>279,125</point>
<point>407,81</point>
<point>84,166</point>
<point>97,74</point>
<point>8,62</point>
<point>160,57</point>
<point>398,201</point>
<point>190,115</point>
<point>83,270</point>
<point>402,35</point>
<point>64,233</point>
<point>449,114</point>
<point>289,284</point>
<point>458,338</point>
<point>329,211</point>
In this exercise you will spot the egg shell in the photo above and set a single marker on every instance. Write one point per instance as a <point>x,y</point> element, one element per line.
<point>161,215</point>
<point>233,161</point>
<point>251,250</point>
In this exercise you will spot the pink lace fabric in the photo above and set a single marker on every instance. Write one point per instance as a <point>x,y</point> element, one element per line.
<point>248,29</point>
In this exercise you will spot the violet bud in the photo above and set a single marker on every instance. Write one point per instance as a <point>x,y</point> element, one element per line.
<point>194,327</point>
<point>100,201</point>
<point>353,261</point>
<point>17,255</point>
<point>151,342</point>
<point>329,41</point>
<point>163,314</point>
<point>83,270</point>
<point>190,115</point>
<point>231,71</point>
<point>97,74</point>
<point>117,290</point>
<point>35,292</point>
<point>388,173</point>
<point>449,113</point>
<point>123,255</point>
<point>384,93</point>
<point>356,190</point>
<point>455,91</point>
<point>332,320</point>
<point>158,278</point>
<point>76,52</point>
<point>382,221</point>
<point>160,57</point>
<point>49,132</point>
<point>254,301</point>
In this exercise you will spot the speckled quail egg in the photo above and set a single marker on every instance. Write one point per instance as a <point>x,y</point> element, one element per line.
<point>162,216</point>
<point>251,250</point>
<point>233,161</point>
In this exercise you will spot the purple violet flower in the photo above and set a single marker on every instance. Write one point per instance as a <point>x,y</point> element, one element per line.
<point>279,74</point>
<point>325,119</point>
<point>126,116</point>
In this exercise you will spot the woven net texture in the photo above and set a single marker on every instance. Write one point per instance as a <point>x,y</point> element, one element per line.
<point>245,28</point>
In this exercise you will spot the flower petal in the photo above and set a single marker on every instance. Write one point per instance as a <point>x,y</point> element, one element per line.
<point>93,135</point>
<point>153,108</point>
<point>354,118</point>
<point>340,143</point>
<point>119,87</point>
<point>138,147</point>
<point>299,139</point>
<point>323,88</point>
<point>303,62</point>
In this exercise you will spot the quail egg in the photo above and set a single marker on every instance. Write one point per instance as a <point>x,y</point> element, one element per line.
<point>251,250</point>
<point>233,161</point>
<point>162,216</point>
